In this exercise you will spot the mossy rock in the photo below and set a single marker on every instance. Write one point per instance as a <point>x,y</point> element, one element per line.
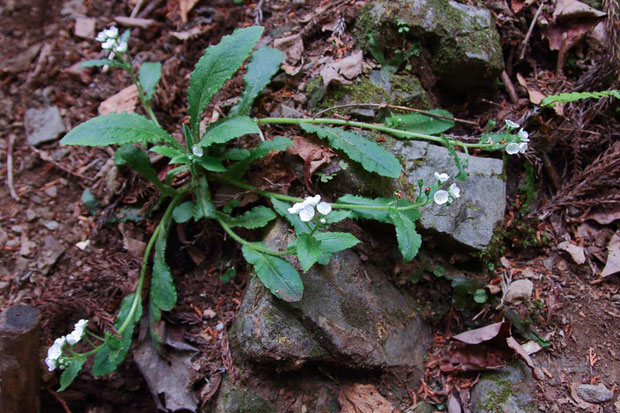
<point>237,398</point>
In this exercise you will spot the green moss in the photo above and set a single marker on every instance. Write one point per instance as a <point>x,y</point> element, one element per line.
<point>495,400</point>
<point>363,91</point>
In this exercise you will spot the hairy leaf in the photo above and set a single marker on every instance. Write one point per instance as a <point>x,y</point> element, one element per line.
<point>163,293</point>
<point>264,148</point>
<point>308,250</point>
<point>257,217</point>
<point>381,213</point>
<point>183,212</point>
<point>336,241</point>
<point>371,156</point>
<point>102,62</point>
<point>228,129</point>
<point>336,216</point>
<point>71,372</point>
<point>419,123</point>
<point>167,151</point>
<point>149,76</point>
<point>108,358</point>
<point>210,164</point>
<point>117,129</point>
<point>216,66</point>
<point>204,205</point>
<point>461,164</point>
<point>575,96</point>
<point>264,63</point>
<point>281,208</point>
<point>277,274</point>
<point>141,163</point>
<point>409,240</point>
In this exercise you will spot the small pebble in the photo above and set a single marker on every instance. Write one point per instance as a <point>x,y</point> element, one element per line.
<point>31,215</point>
<point>594,393</point>
<point>528,273</point>
<point>519,290</point>
<point>16,229</point>
<point>51,225</point>
<point>52,191</point>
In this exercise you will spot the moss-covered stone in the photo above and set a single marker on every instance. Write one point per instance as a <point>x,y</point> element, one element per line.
<point>235,398</point>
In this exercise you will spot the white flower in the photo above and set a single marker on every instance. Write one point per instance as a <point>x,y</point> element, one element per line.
<point>54,353</point>
<point>296,208</point>
<point>323,221</point>
<point>312,200</point>
<point>197,150</point>
<point>512,148</point>
<point>511,124</point>
<point>522,147</point>
<point>111,33</point>
<point>455,191</point>
<point>108,44</point>
<point>77,333</point>
<point>121,47</point>
<point>443,177</point>
<point>324,208</point>
<point>307,213</point>
<point>441,197</point>
<point>523,135</point>
<point>102,37</point>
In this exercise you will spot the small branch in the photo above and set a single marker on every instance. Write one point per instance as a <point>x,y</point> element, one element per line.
<point>386,105</point>
<point>9,167</point>
<point>530,30</point>
<point>510,88</point>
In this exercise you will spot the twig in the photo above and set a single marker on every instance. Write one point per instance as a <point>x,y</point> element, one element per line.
<point>9,167</point>
<point>60,399</point>
<point>149,8</point>
<point>530,30</point>
<point>136,9</point>
<point>386,105</point>
<point>510,88</point>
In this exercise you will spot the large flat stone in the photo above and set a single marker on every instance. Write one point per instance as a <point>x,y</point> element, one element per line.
<point>470,219</point>
<point>350,314</point>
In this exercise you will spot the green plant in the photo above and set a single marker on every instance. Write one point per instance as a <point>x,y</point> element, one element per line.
<point>575,96</point>
<point>210,161</point>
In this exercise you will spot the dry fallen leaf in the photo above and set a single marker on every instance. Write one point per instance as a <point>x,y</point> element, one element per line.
<point>604,218</point>
<point>313,155</point>
<point>454,406</point>
<point>135,22</point>
<point>363,398</point>
<point>571,21</point>
<point>124,101</point>
<point>575,251</point>
<point>513,344</point>
<point>188,34</point>
<point>483,334</point>
<point>185,6</point>
<point>613,257</point>
<point>293,48</point>
<point>343,70</point>
<point>535,95</point>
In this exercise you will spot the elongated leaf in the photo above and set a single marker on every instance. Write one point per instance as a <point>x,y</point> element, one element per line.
<point>336,216</point>
<point>308,250</point>
<point>183,212</point>
<point>461,164</point>
<point>370,155</point>
<point>167,151</point>
<point>277,274</point>
<point>204,205</point>
<point>108,358</point>
<point>236,154</point>
<point>264,148</point>
<point>101,62</point>
<point>71,372</point>
<point>381,214</point>
<point>163,293</point>
<point>409,240</point>
<point>264,63</point>
<point>149,76</point>
<point>216,66</point>
<point>141,163</point>
<point>281,208</point>
<point>419,123</point>
<point>228,129</point>
<point>117,129</point>
<point>336,241</point>
<point>257,217</point>
<point>209,163</point>
<point>575,96</point>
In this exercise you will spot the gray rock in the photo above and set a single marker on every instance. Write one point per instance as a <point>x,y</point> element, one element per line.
<point>510,390</point>
<point>594,393</point>
<point>236,398</point>
<point>31,215</point>
<point>350,314</point>
<point>470,219</point>
<point>519,290</point>
<point>43,125</point>
<point>49,254</point>
<point>51,225</point>
<point>52,191</point>
<point>462,39</point>
<point>21,62</point>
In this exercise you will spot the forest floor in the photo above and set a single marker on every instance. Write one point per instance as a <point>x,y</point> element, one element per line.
<point>573,307</point>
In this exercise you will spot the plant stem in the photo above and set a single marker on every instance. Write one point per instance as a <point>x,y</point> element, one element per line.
<point>247,243</point>
<point>371,126</point>
<point>141,95</point>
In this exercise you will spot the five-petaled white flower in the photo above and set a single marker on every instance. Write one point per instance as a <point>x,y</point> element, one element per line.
<point>455,191</point>
<point>54,353</point>
<point>441,197</point>
<point>443,177</point>
<point>516,147</point>
<point>108,44</point>
<point>511,124</point>
<point>305,209</point>
<point>197,150</point>
<point>77,333</point>
<point>121,47</point>
<point>523,135</point>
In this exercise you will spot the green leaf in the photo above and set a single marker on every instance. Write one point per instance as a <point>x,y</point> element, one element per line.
<point>236,154</point>
<point>257,217</point>
<point>376,50</point>
<point>149,76</point>
<point>336,216</point>
<point>409,241</point>
<point>264,148</point>
<point>117,129</point>
<point>336,241</point>
<point>480,296</point>
<point>210,164</point>
<point>461,164</point>
<point>216,66</point>
<point>102,62</point>
<point>183,212</point>
<point>71,372</point>
<point>308,250</point>
<point>90,202</point>
<point>111,355</point>
<point>264,63</point>
<point>575,96</point>
<point>204,205</point>
<point>282,209</point>
<point>277,274</point>
<point>167,151</point>
<point>371,156</point>
<point>140,162</point>
<point>419,123</point>
<point>227,129</point>
<point>163,293</point>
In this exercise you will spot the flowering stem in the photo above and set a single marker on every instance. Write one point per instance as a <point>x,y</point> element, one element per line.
<point>377,127</point>
<point>247,243</point>
<point>141,95</point>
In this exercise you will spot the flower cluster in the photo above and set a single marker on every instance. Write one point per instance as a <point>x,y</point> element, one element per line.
<point>517,147</point>
<point>442,196</point>
<point>110,40</point>
<point>54,353</point>
<point>306,208</point>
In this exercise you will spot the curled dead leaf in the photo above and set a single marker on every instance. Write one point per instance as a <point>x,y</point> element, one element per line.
<point>344,70</point>
<point>363,398</point>
<point>572,19</point>
<point>613,257</point>
<point>314,157</point>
